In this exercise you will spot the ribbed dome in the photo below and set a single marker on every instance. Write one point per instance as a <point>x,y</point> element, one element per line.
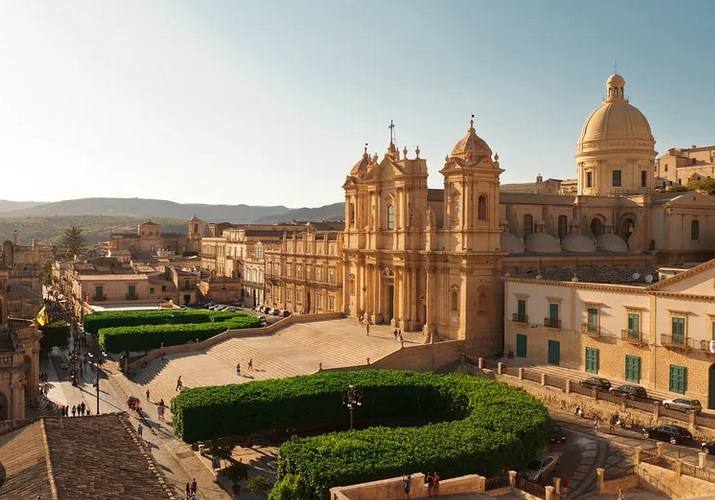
<point>510,243</point>
<point>577,242</point>
<point>542,243</point>
<point>360,167</point>
<point>610,242</point>
<point>471,146</point>
<point>615,125</point>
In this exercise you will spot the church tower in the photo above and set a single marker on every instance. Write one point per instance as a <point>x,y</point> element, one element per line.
<point>194,234</point>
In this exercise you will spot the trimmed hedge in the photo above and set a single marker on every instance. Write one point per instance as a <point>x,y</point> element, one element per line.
<point>54,334</point>
<point>482,426</point>
<point>94,322</point>
<point>152,336</point>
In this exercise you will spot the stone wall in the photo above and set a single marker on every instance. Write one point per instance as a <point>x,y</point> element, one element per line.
<point>673,484</point>
<point>393,488</point>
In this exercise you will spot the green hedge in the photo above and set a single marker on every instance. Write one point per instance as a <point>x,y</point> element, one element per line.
<point>54,334</point>
<point>481,426</point>
<point>152,336</point>
<point>95,322</point>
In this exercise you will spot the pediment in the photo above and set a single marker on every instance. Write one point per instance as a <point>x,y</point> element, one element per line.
<point>700,280</point>
<point>385,170</point>
<point>691,199</point>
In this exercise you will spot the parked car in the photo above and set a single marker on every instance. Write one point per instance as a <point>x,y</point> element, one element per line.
<point>263,320</point>
<point>259,308</point>
<point>540,468</point>
<point>275,312</point>
<point>267,310</point>
<point>708,447</point>
<point>683,404</point>
<point>674,434</point>
<point>629,391</point>
<point>557,434</point>
<point>602,384</point>
<point>285,313</point>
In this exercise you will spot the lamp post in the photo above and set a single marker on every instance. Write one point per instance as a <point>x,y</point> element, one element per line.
<point>351,399</point>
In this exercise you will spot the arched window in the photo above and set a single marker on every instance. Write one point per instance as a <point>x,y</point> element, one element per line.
<point>694,230</point>
<point>453,301</point>
<point>482,208</point>
<point>563,225</point>
<point>528,225</point>
<point>596,227</point>
<point>352,214</point>
<point>390,217</point>
<point>483,303</point>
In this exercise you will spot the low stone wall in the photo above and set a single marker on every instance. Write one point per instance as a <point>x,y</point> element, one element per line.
<point>11,425</point>
<point>393,488</point>
<point>674,484</point>
<point>233,333</point>
<point>421,358</point>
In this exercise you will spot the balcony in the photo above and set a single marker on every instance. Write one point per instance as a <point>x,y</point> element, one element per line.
<point>131,296</point>
<point>633,336</point>
<point>590,330</point>
<point>706,346</point>
<point>675,342</point>
<point>552,323</point>
<point>520,318</point>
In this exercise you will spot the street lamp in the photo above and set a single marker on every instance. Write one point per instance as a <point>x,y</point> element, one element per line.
<point>351,399</point>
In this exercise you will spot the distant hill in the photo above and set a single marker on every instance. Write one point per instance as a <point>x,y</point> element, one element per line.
<point>149,209</point>
<point>98,217</point>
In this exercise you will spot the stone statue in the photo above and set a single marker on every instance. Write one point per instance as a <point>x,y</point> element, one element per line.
<point>430,217</point>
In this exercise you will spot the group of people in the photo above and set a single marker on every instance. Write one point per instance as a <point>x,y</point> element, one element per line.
<point>432,482</point>
<point>191,489</point>
<point>238,366</point>
<point>79,410</point>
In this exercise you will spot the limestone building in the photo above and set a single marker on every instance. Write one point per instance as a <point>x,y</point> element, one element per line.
<point>679,166</point>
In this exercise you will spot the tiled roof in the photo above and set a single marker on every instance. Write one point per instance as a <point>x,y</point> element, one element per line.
<point>619,275</point>
<point>112,277</point>
<point>99,457</point>
<point>23,458</point>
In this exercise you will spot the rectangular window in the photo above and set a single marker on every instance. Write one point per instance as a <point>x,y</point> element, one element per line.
<point>331,275</point>
<point>678,379</point>
<point>187,285</point>
<point>163,288</point>
<point>99,292</point>
<point>694,230</point>
<point>553,315</point>
<point>131,291</point>
<point>521,311</point>
<point>644,178</point>
<point>592,360</point>
<point>319,273</point>
<point>589,179</point>
<point>677,330</point>
<point>318,301</point>
<point>521,344</point>
<point>331,303</point>
<point>712,330</point>
<point>592,319</point>
<point>616,178</point>
<point>634,329</point>
<point>633,369</point>
<point>151,290</point>
<point>298,297</point>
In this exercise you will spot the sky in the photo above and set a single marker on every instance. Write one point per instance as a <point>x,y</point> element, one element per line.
<point>270,102</point>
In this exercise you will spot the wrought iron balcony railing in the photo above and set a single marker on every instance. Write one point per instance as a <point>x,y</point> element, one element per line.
<point>633,336</point>
<point>520,318</point>
<point>591,330</point>
<point>552,323</point>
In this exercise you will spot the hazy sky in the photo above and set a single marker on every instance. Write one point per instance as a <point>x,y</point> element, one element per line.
<point>270,102</point>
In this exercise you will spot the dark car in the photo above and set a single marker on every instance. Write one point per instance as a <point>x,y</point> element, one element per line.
<point>602,384</point>
<point>671,433</point>
<point>629,391</point>
<point>556,434</point>
<point>708,447</point>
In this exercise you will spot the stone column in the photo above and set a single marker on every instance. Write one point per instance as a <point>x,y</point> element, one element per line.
<point>599,481</point>
<point>512,478</point>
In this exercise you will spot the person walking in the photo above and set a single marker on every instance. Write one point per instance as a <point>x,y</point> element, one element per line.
<point>147,394</point>
<point>74,410</point>
<point>564,487</point>
<point>238,368</point>
<point>179,384</point>
<point>140,429</point>
<point>367,329</point>
<point>250,364</point>
<point>194,486</point>
<point>435,482</point>
<point>188,490</point>
<point>621,496</point>
<point>407,482</point>
<point>596,423</point>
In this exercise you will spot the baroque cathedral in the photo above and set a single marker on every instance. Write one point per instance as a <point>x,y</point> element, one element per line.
<point>433,259</point>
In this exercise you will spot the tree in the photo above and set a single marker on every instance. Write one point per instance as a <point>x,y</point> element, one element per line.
<point>259,485</point>
<point>73,242</point>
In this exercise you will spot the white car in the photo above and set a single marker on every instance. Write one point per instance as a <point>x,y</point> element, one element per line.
<point>541,468</point>
<point>683,404</point>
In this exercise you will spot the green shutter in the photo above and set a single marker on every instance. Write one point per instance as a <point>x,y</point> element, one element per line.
<point>678,379</point>
<point>592,319</point>
<point>678,330</point>
<point>633,369</point>
<point>592,360</point>
<point>553,312</point>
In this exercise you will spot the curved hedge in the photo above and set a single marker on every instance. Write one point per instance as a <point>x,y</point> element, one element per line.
<point>147,337</point>
<point>482,426</point>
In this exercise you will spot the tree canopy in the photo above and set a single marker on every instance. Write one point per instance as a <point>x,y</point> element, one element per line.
<point>73,241</point>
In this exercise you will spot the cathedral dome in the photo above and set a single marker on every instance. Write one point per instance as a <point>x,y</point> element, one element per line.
<point>510,243</point>
<point>577,242</point>
<point>471,147</point>
<point>616,124</point>
<point>542,243</point>
<point>610,242</point>
<point>360,168</point>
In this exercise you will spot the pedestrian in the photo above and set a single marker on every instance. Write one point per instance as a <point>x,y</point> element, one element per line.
<point>621,496</point>
<point>188,490</point>
<point>435,481</point>
<point>407,481</point>
<point>394,333</point>
<point>612,423</point>
<point>82,406</point>
<point>367,329</point>
<point>238,368</point>
<point>194,486</point>
<point>179,383</point>
<point>596,423</point>
<point>429,479</point>
<point>140,429</point>
<point>399,336</point>
<point>74,410</point>
<point>564,487</point>
<point>147,394</point>
<point>250,364</point>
